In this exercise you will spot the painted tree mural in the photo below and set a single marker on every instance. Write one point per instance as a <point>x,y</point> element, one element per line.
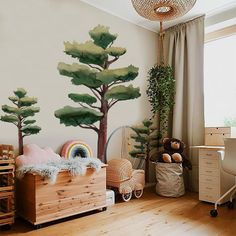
<point>19,115</point>
<point>95,57</point>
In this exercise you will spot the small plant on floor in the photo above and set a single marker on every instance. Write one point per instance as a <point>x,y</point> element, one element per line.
<point>19,115</point>
<point>146,142</point>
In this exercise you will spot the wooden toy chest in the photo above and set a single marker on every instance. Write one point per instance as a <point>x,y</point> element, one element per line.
<point>39,201</point>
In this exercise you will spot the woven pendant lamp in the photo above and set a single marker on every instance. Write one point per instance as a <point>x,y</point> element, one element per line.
<point>162,10</point>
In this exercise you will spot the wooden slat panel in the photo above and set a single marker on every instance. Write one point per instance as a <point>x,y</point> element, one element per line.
<point>25,197</point>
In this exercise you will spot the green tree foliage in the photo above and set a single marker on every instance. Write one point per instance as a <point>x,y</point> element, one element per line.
<point>146,140</point>
<point>19,114</point>
<point>95,57</point>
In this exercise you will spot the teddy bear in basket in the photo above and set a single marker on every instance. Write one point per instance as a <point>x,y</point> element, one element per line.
<point>173,153</point>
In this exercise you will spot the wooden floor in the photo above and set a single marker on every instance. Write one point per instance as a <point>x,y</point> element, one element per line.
<point>150,215</point>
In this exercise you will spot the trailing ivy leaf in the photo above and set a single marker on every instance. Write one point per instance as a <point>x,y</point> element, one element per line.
<point>101,36</point>
<point>84,98</point>
<point>161,92</point>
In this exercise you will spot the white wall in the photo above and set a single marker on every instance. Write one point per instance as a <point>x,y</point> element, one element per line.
<point>31,45</point>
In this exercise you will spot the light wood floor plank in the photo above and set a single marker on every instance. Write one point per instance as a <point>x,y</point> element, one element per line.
<point>151,215</point>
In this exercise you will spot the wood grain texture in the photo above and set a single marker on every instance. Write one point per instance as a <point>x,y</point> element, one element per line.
<point>7,168</point>
<point>150,215</point>
<point>39,201</point>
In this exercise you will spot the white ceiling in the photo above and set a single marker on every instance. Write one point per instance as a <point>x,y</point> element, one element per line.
<point>125,10</point>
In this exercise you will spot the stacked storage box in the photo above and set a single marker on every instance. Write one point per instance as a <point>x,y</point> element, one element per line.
<point>214,136</point>
<point>7,168</point>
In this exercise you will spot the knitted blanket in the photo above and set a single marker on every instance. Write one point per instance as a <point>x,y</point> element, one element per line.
<point>50,170</point>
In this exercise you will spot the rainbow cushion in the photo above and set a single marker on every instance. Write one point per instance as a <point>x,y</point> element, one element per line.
<point>76,148</point>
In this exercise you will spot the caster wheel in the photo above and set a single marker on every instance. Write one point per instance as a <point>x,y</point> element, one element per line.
<point>37,226</point>
<point>231,205</point>
<point>126,196</point>
<point>104,208</point>
<point>214,213</point>
<point>5,227</point>
<point>138,193</point>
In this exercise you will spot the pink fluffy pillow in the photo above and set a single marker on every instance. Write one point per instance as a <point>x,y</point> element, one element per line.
<point>33,154</point>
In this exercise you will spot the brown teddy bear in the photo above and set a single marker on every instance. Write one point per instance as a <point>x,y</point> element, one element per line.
<point>173,152</point>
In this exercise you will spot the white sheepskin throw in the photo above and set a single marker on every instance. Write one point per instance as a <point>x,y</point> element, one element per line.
<point>51,169</point>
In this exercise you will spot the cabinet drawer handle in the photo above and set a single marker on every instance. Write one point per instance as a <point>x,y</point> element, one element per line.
<point>209,188</point>
<point>209,163</point>
<point>208,154</point>
<point>208,171</point>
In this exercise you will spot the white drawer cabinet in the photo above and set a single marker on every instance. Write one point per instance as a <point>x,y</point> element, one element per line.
<point>213,181</point>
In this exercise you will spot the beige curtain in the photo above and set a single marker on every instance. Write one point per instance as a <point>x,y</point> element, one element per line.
<point>183,49</point>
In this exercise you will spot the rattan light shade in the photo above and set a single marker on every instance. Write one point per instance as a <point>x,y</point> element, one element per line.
<point>162,10</point>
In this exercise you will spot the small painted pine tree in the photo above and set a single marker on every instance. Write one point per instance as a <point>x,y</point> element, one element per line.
<point>19,115</point>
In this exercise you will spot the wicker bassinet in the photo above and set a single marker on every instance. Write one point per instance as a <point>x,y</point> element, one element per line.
<point>121,175</point>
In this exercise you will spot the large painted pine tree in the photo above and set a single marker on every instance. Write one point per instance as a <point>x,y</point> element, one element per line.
<point>95,57</point>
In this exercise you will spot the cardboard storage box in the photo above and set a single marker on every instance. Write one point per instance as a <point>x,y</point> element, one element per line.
<point>214,136</point>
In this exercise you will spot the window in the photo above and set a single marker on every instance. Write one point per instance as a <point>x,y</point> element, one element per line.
<point>220,80</point>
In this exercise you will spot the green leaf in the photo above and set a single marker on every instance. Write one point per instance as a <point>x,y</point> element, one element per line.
<point>122,93</point>
<point>9,118</point>
<point>140,129</point>
<point>20,92</point>
<point>147,123</point>
<point>71,116</point>
<point>28,122</point>
<point>84,98</point>
<point>137,153</point>
<point>116,51</point>
<point>118,75</point>
<point>13,99</point>
<point>31,129</point>
<point>29,111</point>
<point>10,110</point>
<point>138,138</point>
<point>81,74</point>
<point>101,36</point>
<point>88,53</point>
<point>27,101</point>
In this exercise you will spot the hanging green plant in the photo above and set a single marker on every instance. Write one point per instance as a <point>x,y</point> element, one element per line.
<point>161,90</point>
